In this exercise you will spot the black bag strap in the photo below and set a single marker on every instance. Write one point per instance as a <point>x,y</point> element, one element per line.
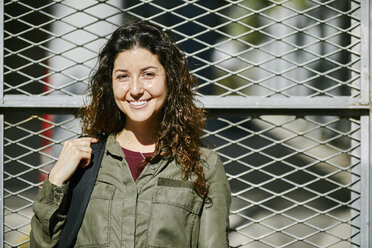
<point>80,189</point>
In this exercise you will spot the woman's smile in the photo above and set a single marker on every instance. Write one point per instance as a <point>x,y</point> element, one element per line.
<point>138,104</point>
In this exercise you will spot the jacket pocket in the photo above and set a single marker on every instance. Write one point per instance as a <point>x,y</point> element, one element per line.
<point>95,229</point>
<point>174,211</point>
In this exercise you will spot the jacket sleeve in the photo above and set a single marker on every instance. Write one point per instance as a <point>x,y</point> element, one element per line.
<point>214,220</point>
<point>49,215</point>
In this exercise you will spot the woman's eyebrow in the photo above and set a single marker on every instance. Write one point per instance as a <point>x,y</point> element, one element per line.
<point>120,70</point>
<point>142,69</point>
<point>149,67</point>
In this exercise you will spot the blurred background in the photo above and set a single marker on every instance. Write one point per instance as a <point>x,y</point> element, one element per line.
<point>282,81</point>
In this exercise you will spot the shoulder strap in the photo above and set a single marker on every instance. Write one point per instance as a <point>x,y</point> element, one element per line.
<point>80,189</point>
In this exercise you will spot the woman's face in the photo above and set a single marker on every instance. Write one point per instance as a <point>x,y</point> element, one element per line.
<point>139,85</point>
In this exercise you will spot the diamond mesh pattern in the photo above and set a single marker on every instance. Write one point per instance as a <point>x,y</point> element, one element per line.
<point>243,47</point>
<point>294,180</point>
<point>31,146</point>
<point>50,48</point>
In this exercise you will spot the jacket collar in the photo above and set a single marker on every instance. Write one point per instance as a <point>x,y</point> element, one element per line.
<point>113,149</point>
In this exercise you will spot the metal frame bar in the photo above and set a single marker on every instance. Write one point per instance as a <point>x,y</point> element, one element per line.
<point>1,51</point>
<point>365,129</point>
<point>1,179</point>
<point>368,231</point>
<point>208,102</point>
<point>366,124</point>
<point>1,124</point>
<point>365,46</point>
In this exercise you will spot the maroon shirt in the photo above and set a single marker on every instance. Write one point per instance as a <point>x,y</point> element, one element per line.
<point>133,159</point>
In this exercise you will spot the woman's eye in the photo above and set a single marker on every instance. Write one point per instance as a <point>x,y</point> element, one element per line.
<point>122,76</point>
<point>149,74</point>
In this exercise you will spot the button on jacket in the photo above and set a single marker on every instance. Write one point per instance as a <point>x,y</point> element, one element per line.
<point>158,210</point>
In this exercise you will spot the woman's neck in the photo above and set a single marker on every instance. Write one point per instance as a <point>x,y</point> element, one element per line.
<point>137,137</point>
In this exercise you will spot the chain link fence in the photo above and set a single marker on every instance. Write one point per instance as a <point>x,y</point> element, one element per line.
<point>283,82</point>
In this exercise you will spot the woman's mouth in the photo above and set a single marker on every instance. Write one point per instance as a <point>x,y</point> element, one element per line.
<point>138,104</point>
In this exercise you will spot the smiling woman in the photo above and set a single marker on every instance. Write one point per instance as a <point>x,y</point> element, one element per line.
<point>142,177</point>
<point>140,90</point>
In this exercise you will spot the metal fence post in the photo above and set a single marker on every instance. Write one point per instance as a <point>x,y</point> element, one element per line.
<point>1,180</point>
<point>369,196</point>
<point>1,124</point>
<point>365,44</point>
<point>364,185</point>
<point>366,127</point>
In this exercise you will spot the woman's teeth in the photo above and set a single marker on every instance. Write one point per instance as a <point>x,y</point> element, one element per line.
<point>138,103</point>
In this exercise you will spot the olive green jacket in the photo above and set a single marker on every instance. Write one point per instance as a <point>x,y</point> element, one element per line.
<point>158,210</point>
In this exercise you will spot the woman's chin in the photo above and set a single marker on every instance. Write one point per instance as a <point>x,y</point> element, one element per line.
<point>142,119</point>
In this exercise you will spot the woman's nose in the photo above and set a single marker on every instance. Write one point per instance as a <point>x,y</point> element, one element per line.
<point>136,87</point>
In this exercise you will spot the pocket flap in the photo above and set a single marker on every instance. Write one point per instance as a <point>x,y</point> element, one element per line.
<point>178,193</point>
<point>103,191</point>
<point>175,183</point>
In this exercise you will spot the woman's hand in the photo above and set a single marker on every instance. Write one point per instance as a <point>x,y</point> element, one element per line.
<point>74,153</point>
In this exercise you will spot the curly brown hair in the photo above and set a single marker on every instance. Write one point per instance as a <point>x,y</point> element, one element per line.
<point>181,120</point>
